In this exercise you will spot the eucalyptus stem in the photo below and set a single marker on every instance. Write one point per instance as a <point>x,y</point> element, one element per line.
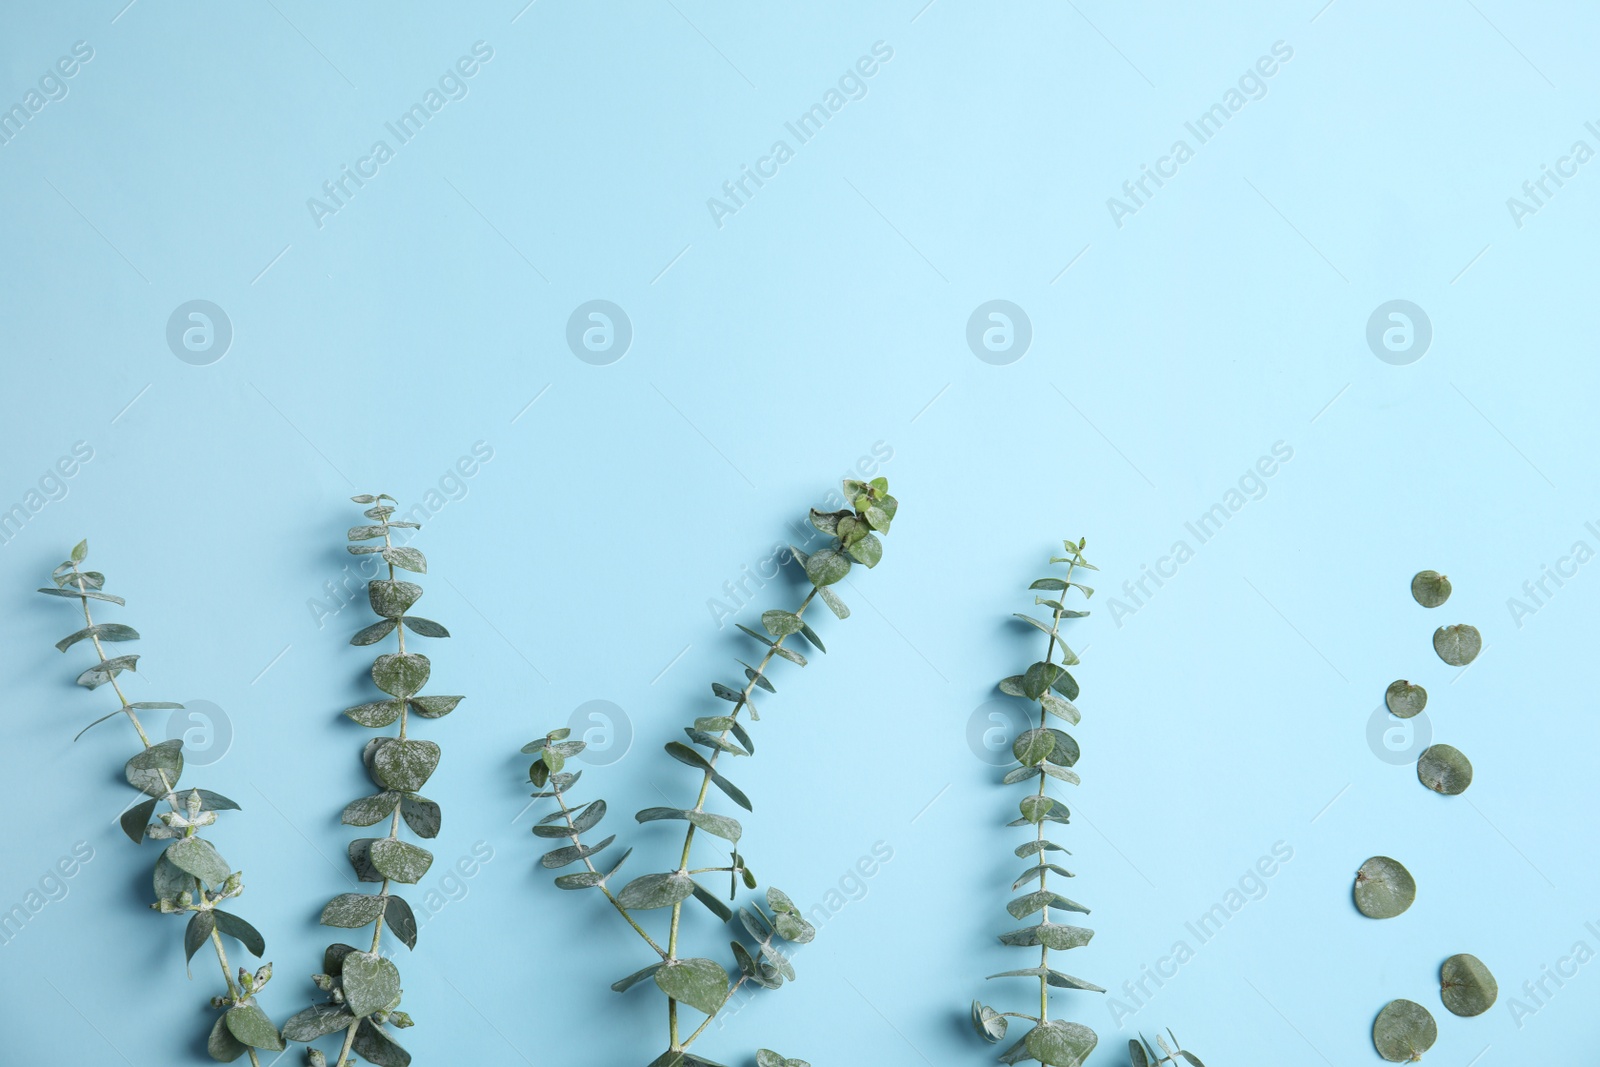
<point>190,865</point>
<point>1044,752</point>
<point>704,984</point>
<point>363,987</point>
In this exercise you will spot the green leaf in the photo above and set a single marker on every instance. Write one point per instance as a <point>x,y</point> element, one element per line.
<point>561,857</point>
<point>103,672</point>
<point>1466,986</point>
<point>392,599</point>
<point>319,1020</point>
<point>1012,686</point>
<point>1403,1031</point>
<point>1050,584</point>
<point>156,770</point>
<point>434,707</point>
<point>1050,935</point>
<point>376,715</point>
<point>400,860</point>
<point>400,674</point>
<point>781,623</point>
<point>1066,685</point>
<point>405,765</point>
<point>1032,746</point>
<point>732,695</point>
<point>423,815</point>
<point>1444,769</point>
<point>1061,1044</point>
<point>622,985</point>
<point>242,931</point>
<point>406,559</point>
<point>700,983</point>
<point>1033,848</point>
<point>656,891</point>
<point>106,631</point>
<point>1035,808</point>
<point>835,605</point>
<point>1457,645</point>
<point>80,551</point>
<point>786,918</point>
<point>251,1026</point>
<point>720,825</point>
<point>684,754</point>
<point>222,1045</point>
<point>768,1058</point>
<point>710,740</point>
<point>401,921</point>
<point>827,566</point>
<point>374,1045</point>
<point>136,818</point>
<point>1040,677</point>
<point>1404,699</point>
<point>365,533</point>
<point>197,933</point>
<point>351,911</point>
<point>1057,979</point>
<point>168,880</point>
<point>867,551</point>
<point>828,521</point>
<point>425,627</point>
<point>712,903</point>
<point>371,635</point>
<point>1061,709</point>
<point>371,983</point>
<point>197,856</point>
<point>1430,588</point>
<point>990,1024</point>
<point>580,880</point>
<point>1028,903</point>
<point>1383,888</point>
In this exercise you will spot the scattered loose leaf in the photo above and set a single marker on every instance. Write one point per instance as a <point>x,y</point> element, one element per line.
<point>1444,769</point>
<point>1466,986</point>
<point>1430,588</point>
<point>1457,645</point>
<point>1384,888</point>
<point>1403,1031</point>
<point>1404,699</point>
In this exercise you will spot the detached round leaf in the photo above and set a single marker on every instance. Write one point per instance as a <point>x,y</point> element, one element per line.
<point>1404,1030</point>
<point>1444,769</point>
<point>1457,645</point>
<point>1430,588</point>
<point>1384,888</point>
<point>1466,986</point>
<point>1404,699</point>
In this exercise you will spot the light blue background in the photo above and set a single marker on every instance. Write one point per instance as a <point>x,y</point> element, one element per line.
<point>1225,714</point>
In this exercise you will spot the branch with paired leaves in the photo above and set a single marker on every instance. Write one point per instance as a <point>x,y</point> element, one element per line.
<point>363,986</point>
<point>191,877</point>
<point>700,983</point>
<point>1043,753</point>
<point>1141,1054</point>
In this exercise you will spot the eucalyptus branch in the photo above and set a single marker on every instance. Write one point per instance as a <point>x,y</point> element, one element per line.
<point>363,986</point>
<point>191,877</point>
<point>700,983</point>
<point>1045,752</point>
<point>1141,1054</point>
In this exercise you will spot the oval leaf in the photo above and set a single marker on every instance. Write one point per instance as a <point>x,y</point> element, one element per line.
<point>1403,1031</point>
<point>1384,888</point>
<point>700,983</point>
<point>1444,769</point>
<point>1466,986</point>
<point>400,674</point>
<point>1430,588</point>
<point>371,983</point>
<point>405,765</point>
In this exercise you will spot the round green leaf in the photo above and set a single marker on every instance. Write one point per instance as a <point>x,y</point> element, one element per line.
<point>827,566</point>
<point>1404,699</point>
<point>252,1027</point>
<point>222,1045</point>
<point>656,891</point>
<point>702,984</point>
<point>1032,746</point>
<point>371,983</point>
<point>392,599</point>
<point>1060,1044</point>
<point>1430,588</point>
<point>1403,1031</point>
<point>990,1024</point>
<point>400,860</point>
<point>405,765</point>
<point>400,674</point>
<point>319,1020</point>
<point>351,911</point>
<point>1457,645</point>
<point>781,623</point>
<point>375,715</point>
<point>1444,769</point>
<point>1466,986</point>
<point>155,770</point>
<point>1384,888</point>
<point>198,857</point>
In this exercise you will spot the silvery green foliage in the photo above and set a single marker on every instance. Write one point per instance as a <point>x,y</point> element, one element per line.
<point>1142,1054</point>
<point>363,987</point>
<point>700,983</point>
<point>1044,753</point>
<point>191,878</point>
